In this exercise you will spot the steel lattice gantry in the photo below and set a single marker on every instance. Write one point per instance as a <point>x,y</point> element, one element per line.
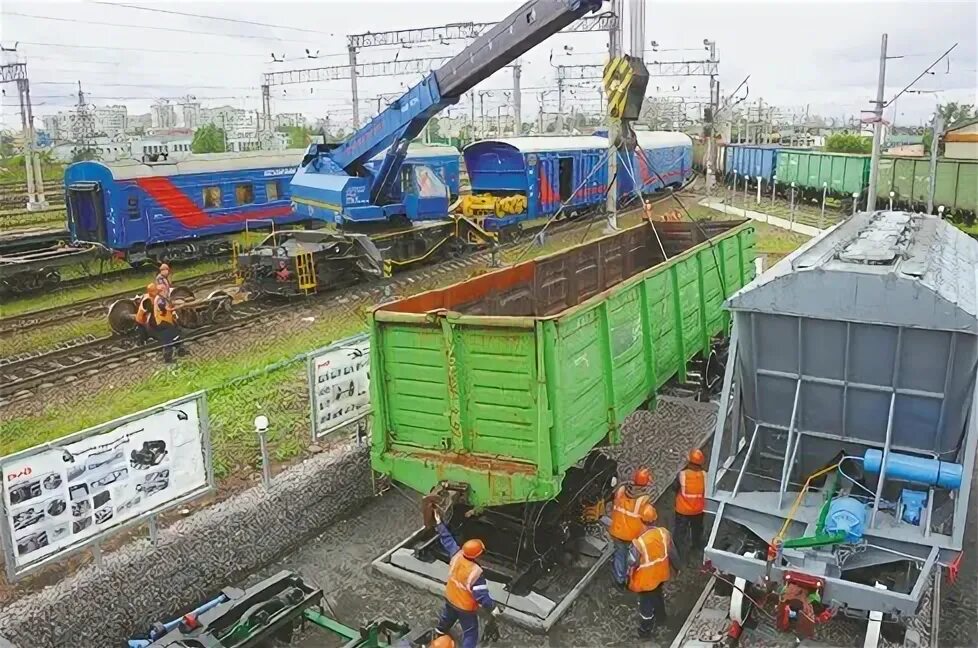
<point>656,69</point>
<point>607,21</point>
<point>16,72</point>
<point>464,31</point>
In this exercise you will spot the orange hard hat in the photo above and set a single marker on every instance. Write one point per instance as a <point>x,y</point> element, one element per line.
<point>642,477</point>
<point>442,641</point>
<point>649,514</point>
<point>696,457</point>
<point>164,266</point>
<point>472,549</point>
<point>152,288</point>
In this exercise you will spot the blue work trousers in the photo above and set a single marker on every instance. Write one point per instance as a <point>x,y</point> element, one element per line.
<point>468,620</point>
<point>619,561</point>
<point>651,611</point>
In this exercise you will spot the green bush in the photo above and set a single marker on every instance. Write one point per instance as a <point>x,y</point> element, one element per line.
<point>848,143</point>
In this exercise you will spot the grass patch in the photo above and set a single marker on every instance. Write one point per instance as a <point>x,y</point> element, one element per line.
<point>101,287</point>
<point>47,336</point>
<point>19,220</point>
<point>233,404</point>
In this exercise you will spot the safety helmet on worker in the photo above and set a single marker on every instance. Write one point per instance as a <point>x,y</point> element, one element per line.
<point>649,514</point>
<point>696,457</point>
<point>442,641</point>
<point>472,549</point>
<point>152,289</point>
<point>642,477</point>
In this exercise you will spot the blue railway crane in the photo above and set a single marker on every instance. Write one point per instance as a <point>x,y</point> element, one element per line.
<point>333,183</point>
<point>380,217</point>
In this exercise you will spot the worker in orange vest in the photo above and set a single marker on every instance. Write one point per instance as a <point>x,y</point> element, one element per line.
<point>625,522</point>
<point>652,559</point>
<point>144,313</point>
<point>466,590</point>
<point>691,500</point>
<point>165,326</point>
<point>163,280</point>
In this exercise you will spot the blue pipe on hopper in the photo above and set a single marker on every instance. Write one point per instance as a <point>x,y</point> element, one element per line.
<point>917,470</point>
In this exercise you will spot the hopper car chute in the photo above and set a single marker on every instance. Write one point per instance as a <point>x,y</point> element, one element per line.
<point>495,391</point>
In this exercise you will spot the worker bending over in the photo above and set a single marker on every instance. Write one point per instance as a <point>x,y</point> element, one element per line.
<point>691,501</point>
<point>144,313</point>
<point>625,522</point>
<point>466,590</point>
<point>652,558</point>
<point>163,281</point>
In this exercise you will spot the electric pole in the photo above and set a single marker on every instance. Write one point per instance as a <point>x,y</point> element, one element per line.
<point>517,101</point>
<point>938,129</point>
<point>560,104</point>
<point>711,116</point>
<point>12,70</point>
<point>353,86</point>
<point>874,163</point>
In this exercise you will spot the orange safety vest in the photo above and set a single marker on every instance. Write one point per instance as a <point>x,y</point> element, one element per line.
<point>626,518</point>
<point>142,314</point>
<point>689,498</point>
<point>653,567</point>
<point>462,574</point>
<point>159,315</point>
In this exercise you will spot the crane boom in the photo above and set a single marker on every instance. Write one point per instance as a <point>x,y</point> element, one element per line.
<point>333,183</point>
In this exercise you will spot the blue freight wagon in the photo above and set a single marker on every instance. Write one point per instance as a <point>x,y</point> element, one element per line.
<point>754,160</point>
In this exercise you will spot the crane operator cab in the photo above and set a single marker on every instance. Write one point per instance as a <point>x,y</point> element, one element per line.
<point>423,192</point>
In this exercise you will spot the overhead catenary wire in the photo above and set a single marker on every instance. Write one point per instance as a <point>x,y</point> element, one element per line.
<point>920,76</point>
<point>155,28</point>
<point>219,18</point>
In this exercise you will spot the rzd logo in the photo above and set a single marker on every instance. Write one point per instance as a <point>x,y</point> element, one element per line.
<point>26,472</point>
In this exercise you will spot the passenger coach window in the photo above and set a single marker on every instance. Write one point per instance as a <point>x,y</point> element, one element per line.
<point>245,194</point>
<point>212,197</point>
<point>132,207</point>
<point>271,191</point>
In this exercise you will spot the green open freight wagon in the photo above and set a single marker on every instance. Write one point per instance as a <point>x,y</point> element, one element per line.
<point>504,381</point>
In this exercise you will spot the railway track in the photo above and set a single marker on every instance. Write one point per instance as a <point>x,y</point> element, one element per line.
<point>88,307</point>
<point>20,378</point>
<point>88,357</point>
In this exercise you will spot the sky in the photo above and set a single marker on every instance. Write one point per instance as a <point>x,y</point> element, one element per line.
<point>823,55</point>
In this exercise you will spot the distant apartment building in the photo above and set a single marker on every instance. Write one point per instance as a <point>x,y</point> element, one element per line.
<point>236,122</point>
<point>288,120</point>
<point>143,121</point>
<point>104,120</point>
<point>164,115</point>
<point>111,120</point>
<point>191,115</point>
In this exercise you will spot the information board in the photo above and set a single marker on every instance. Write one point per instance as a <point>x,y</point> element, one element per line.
<point>64,495</point>
<point>339,384</point>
